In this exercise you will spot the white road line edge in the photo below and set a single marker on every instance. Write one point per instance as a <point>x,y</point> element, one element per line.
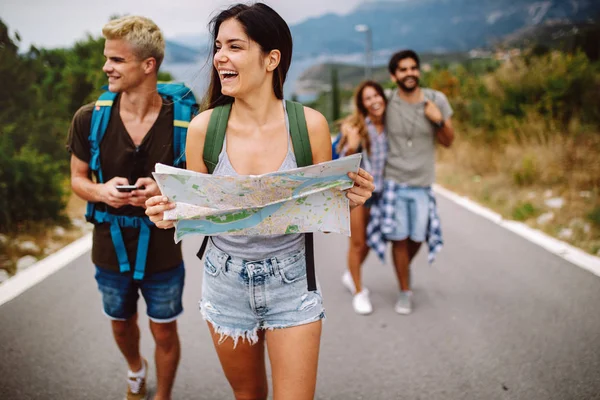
<point>16,285</point>
<point>39,271</point>
<point>568,252</point>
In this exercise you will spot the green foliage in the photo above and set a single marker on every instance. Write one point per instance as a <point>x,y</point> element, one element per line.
<point>594,216</point>
<point>524,211</point>
<point>526,99</point>
<point>164,76</point>
<point>31,188</point>
<point>40,90</point>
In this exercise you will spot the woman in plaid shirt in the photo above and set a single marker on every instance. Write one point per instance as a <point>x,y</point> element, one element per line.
<point>363,131</point>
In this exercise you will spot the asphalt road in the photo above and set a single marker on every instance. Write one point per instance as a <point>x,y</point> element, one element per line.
<point>495,318</point>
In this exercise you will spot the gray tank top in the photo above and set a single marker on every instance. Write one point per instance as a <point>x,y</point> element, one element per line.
<point>258,247</point>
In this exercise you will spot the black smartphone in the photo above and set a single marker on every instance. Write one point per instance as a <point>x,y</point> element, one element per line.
<point>126,188</point>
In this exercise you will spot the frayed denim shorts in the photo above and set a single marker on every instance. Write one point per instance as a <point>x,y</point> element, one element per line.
<point>240,296</point>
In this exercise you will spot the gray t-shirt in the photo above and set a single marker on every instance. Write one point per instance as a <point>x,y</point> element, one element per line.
<point>411,139</point>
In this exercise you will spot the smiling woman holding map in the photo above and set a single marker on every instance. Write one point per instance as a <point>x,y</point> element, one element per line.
<point>256,289</point>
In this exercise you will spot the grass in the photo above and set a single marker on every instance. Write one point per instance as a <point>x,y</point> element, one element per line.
<point>517,180</point>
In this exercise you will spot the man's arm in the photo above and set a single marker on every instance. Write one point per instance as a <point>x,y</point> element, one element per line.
<point>445,134</point>
<point>88,190</point>
<point>444,130</point>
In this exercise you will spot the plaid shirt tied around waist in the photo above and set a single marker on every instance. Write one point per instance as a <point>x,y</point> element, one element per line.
<point>382,221</point>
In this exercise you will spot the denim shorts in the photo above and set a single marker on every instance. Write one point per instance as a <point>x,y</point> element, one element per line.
<point>239,296</point>
<point>162,292</point>
<point>411,215</point>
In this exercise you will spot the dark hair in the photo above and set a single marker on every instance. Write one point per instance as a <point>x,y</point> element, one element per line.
<point>401,55</point>
<point>264,26</point>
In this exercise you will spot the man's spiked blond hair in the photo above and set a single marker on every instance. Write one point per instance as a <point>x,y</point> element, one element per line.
<point>142,33</point>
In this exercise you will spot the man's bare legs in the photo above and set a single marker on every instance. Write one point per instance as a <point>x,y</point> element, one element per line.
<point>403,253</point>
<point>167,352</point>
<point>127,336</point>
<point>166,355</point>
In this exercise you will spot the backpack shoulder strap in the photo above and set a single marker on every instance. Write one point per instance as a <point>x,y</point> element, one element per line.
<point>213,144</point>
<point>184,109</point>
<point>215,135</point>
<point>100,118</point>
<point>299,133</point>
<point>303,153</point>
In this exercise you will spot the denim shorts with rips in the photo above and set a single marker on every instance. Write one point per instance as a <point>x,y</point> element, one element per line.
<point>162,292</point>
<point>239,296</point>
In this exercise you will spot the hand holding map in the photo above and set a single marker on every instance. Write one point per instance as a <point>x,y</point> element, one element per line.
<point>307,199</point>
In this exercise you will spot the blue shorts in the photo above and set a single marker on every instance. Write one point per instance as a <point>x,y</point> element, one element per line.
<point>162,292</point>
<point>239,296</point>
<point>411,215</point>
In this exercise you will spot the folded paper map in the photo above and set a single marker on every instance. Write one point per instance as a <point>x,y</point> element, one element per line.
<point>307,199</point>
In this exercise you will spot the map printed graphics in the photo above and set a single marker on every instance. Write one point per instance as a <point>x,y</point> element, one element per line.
<point>307,199</point>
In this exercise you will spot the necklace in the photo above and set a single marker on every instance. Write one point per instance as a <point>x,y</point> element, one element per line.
<point>410,133</point>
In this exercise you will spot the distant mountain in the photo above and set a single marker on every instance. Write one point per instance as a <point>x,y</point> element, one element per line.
<point>428,26</point>
<point>550,34</point>
<point>177,53</point>
<point>432,25</point>
<point>424,25</point>
<point>193,41</point>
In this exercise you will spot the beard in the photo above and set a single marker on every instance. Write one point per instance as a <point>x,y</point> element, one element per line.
<point>405,88</point>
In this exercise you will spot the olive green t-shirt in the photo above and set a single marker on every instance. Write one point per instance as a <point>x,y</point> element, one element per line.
<point>120,157</point>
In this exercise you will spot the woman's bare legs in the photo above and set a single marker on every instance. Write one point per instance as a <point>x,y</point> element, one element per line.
<point>358,251</point>
<point>244,366</point>
<point>294,355</point>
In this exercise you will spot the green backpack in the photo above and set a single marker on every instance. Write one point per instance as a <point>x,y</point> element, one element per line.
<point>213,144</point>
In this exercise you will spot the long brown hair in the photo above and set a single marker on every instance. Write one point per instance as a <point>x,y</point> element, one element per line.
<point>360,112</point>
<point>264,26</point>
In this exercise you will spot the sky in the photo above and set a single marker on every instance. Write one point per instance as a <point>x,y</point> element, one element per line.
<point>60,23</point>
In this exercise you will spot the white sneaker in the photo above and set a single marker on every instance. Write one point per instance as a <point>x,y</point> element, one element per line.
<point>404,304</point>
<point>362,303</point>
<point>348,282</point>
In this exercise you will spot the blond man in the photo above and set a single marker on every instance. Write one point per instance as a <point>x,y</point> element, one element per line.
<point>138,127</point>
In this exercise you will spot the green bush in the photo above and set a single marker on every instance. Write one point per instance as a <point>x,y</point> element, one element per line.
<point>31,188</point>
<point>524,211</point>
<point>594,216</point>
